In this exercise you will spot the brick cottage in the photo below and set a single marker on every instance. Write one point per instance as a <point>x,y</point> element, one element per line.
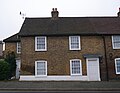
<point>67,48</point>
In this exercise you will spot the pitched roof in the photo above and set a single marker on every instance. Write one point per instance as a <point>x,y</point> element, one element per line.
<point>71,26</point>
<point>13,38</point>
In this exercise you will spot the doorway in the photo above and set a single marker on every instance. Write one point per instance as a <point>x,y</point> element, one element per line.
<point>93,70</point>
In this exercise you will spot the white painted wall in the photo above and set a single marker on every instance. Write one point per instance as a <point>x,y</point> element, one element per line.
<point>54,78</point>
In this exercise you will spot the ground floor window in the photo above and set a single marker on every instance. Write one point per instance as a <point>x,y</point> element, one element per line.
<point>117,65</point>
<point>41,68</point>
<point>75,67</point>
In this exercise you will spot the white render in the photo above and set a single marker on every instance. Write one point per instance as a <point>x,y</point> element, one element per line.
<point>53,78</point>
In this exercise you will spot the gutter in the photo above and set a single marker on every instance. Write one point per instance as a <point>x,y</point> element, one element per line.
<point>106,57</point>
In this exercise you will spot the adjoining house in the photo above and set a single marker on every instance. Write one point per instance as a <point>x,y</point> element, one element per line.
<point>1,49</point>
<point>68,48</point>
<point>12,44</point>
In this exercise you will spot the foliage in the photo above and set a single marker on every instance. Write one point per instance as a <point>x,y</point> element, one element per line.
<point>4,70</point>
<point>10,58</point>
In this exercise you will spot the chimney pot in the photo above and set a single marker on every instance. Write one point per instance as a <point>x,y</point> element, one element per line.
<point>118,13</point>
<point>55,9</point>
<point>54,13</point>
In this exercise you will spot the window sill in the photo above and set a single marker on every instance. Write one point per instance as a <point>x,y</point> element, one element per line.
<point>76,75</point>
<point>118,73</point>
<point>74,49</point>
<point>40,50</point>
<point>18,52</point>
<point>42,76</point>
<point>116,48</point>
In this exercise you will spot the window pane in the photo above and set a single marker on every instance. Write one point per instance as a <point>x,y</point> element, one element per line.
<point>75,67</point>
<point>41,68</point>
<point>116,38</point>
<point>41,43</point>
<point>118,65</point>
<point>74,42</point>
<point>116,41</point>
<point>117,44</point>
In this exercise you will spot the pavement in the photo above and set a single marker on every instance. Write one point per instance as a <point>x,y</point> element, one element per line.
<point>59,86</point>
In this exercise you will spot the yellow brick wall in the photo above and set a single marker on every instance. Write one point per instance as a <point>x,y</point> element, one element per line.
<point>11,47</point>
<point>58,55</point>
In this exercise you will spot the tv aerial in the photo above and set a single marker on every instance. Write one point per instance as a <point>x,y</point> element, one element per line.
<point>23,15</point>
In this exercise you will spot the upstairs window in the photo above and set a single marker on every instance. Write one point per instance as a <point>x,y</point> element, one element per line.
<point>116,42</point>
<point>75,67</point>
<point>18,47</point>
<point>74,42</point>
<point>41,68</point>
<point>117,65</point>
<point>40,43</point>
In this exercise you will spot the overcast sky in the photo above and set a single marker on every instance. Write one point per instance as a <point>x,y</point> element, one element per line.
<point>11,21</point>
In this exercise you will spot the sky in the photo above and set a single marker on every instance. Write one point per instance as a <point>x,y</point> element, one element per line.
<point>11,20</point>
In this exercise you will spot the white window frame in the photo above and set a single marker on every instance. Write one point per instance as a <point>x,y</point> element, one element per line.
<point>116,65</point>
<point>70,46</point>
<point>72,74</point>
<point>36,49</point>
<point>36,62</point>
<point>114,42</point>
<point>18,47</point>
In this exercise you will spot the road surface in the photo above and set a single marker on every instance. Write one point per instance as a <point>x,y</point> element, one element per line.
<point>60,92</point>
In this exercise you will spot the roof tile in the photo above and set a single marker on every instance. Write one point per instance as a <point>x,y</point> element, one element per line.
<point>70,26</point>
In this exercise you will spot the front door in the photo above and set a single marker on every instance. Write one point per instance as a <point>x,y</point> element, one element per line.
<point>17,69</point>
<point>93,71</point>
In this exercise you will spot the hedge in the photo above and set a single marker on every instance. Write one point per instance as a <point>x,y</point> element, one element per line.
<point>4,70</point>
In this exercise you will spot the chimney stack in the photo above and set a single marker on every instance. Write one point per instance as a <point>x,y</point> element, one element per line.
<point>54,13</point>
<point>118,13</point>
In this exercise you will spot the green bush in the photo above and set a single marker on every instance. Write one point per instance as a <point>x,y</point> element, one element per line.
<point>4,70</point>
<point>10,59</point>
